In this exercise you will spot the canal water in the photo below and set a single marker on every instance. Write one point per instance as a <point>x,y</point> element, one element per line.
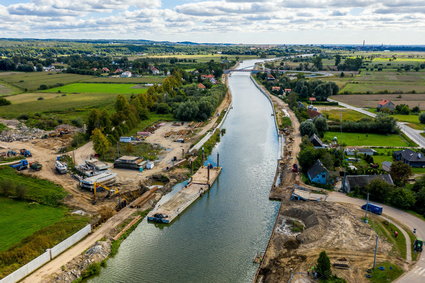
<point>217,238</point>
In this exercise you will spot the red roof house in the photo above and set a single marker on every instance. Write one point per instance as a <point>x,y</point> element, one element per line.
<point>201,86</point>
<point>386,104</point>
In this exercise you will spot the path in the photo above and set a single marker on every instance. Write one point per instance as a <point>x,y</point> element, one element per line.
<point>414,135</point>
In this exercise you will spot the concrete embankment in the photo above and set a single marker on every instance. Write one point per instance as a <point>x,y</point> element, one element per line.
<point>201,182</point>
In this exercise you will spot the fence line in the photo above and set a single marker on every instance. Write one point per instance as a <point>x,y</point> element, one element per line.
<point>47,256</point>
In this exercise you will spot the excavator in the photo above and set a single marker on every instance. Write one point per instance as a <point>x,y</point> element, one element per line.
<point>111,192</point>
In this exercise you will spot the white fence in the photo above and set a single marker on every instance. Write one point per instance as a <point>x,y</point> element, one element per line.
<point>46,257</point>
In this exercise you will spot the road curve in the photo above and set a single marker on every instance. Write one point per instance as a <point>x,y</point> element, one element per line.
<point>417,273</point>
<point>413,134</point>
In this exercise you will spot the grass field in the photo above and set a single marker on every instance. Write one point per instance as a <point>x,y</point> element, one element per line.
<point>142,80</point>
<point>347,115</point>
<point>103,88</point>
<point>389,274</point>
<point>6,89</point>
<point>22,219</point>
<point>32,81</point>
<point>361,139</point>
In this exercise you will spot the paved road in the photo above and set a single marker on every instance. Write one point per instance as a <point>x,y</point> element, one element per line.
<point>417,273</point>
<point>414,135</point>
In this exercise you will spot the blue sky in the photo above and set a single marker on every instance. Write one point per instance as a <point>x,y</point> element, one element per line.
<point>233,21</point>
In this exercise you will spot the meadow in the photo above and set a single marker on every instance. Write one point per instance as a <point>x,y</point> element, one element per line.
<point>362,139</point>
<point>32,81</point>
<point>22,219</point>
<point>347,114</point>
<point>102,88</point>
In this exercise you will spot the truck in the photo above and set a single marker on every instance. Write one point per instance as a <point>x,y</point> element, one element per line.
<point>373,208</point>
<point>36,166</point>
<point>25,152</point>
<point>21,165</point>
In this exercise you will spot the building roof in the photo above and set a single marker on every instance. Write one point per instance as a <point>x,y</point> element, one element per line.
<point>366,150</point>
<point>207,76</point>
<point>410,155</point>
<point>275,87</point>
<point>316,141</point>
<point>312,98</point>
<point>317,169</point>
<point>361,181</point>
<point>384,102</point>
<point>313,113</point>
<point>201,86</point>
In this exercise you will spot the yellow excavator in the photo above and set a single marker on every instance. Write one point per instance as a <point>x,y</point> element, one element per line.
<point>111,192</point>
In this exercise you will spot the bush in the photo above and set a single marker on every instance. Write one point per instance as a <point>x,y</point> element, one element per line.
<point>422,118</point>
<point>4,101</point>
<point>43,87</point>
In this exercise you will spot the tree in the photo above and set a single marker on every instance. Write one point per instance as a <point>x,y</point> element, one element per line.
<point>422,118</point>
<point>420,201</point>
<point>317,62</point>
<point>403,198</point>
<point>4,101</point>
<point>379,190</point>
<point>100,143</point>
<point>321,125</point>
<point>121,103</point>
<point>416,109</point>
<point>307,128</point>
<point>337,59</point>
<point>323,267</point>
<point>400,173</point>
<point>292,100</point>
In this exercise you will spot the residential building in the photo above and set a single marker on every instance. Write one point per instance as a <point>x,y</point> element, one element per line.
<point>386,104</point>
<point>200,85</point>
<point>410,157</point>
<point>318,173</point>
<point>351,182</point>
<point>126,74</point>
<point>313,113</point>
<point>317,142</point>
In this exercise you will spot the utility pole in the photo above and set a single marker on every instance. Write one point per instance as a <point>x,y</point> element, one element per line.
<point>367,207</point>
<point>376,250</point>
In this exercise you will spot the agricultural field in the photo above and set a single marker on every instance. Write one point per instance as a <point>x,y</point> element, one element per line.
<point>371,100</point>
<point>6,89</point>
<point>32,81</point>
<point>372,82</point>
<point>22,219</point>
<point>363,139</point>
<point>141,80</point>
<point>101,88</point>
<point>345,114</point>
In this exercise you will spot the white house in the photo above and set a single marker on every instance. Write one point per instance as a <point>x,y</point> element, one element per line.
<point>126,74</point>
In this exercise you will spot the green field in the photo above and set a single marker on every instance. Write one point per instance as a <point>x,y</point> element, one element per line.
<point>141,80</point>
<point>347,115</point>
<point>22,219</point>
<point>6,89</point>
<point>362,139</point>
<point>32,81</point>
<point>102,88</point>
<point>389,274</point>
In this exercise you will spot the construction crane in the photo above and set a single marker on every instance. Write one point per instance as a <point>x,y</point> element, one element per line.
<point>111,192</point>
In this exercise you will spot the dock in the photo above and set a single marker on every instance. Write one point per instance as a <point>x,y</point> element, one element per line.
<point>200,183</point>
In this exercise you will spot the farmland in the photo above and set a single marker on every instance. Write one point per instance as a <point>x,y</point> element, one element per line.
<point>345,114</point>
<point>102,88</point>
<point>360,139</point>
<point>32,81</point>
<point>141,80</point>
<point>371,100</point>
<point>201,58</point>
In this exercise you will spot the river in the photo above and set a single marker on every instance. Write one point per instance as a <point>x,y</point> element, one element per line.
<point>217,238</point>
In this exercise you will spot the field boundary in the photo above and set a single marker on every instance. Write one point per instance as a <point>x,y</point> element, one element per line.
<point>47,256</point>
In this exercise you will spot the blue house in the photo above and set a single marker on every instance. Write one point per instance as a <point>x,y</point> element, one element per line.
<point>318,173</point>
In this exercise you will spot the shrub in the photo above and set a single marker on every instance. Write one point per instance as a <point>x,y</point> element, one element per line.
<point>4,101</point>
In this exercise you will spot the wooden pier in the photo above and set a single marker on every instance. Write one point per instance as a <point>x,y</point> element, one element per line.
<point>201,182</point>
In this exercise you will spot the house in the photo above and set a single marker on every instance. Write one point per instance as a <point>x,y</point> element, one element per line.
<point>317,142</point>
<point>118,71</point>
<point>318,173</point>
<point>200,85</point>
<point>312,99</point>
<point>350,151</point>
<point>386,166</point>
<point>154,70</point>
<point>351,182</point>
<point>287,90</point>
<point>270,77</point>
<point>105,70</point>
<point>205,77</point>
<point>386,104</point>
<point>275,88</point>
<point>410,157</point>
<point>213,81</point>
<point>126,74</point>
<point>366,151</point>
<point>313,113</point>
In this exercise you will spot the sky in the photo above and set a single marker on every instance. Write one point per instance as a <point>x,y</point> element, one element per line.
<point>219,21</point>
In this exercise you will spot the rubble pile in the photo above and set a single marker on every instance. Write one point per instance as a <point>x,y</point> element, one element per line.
<point>21,133</point>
